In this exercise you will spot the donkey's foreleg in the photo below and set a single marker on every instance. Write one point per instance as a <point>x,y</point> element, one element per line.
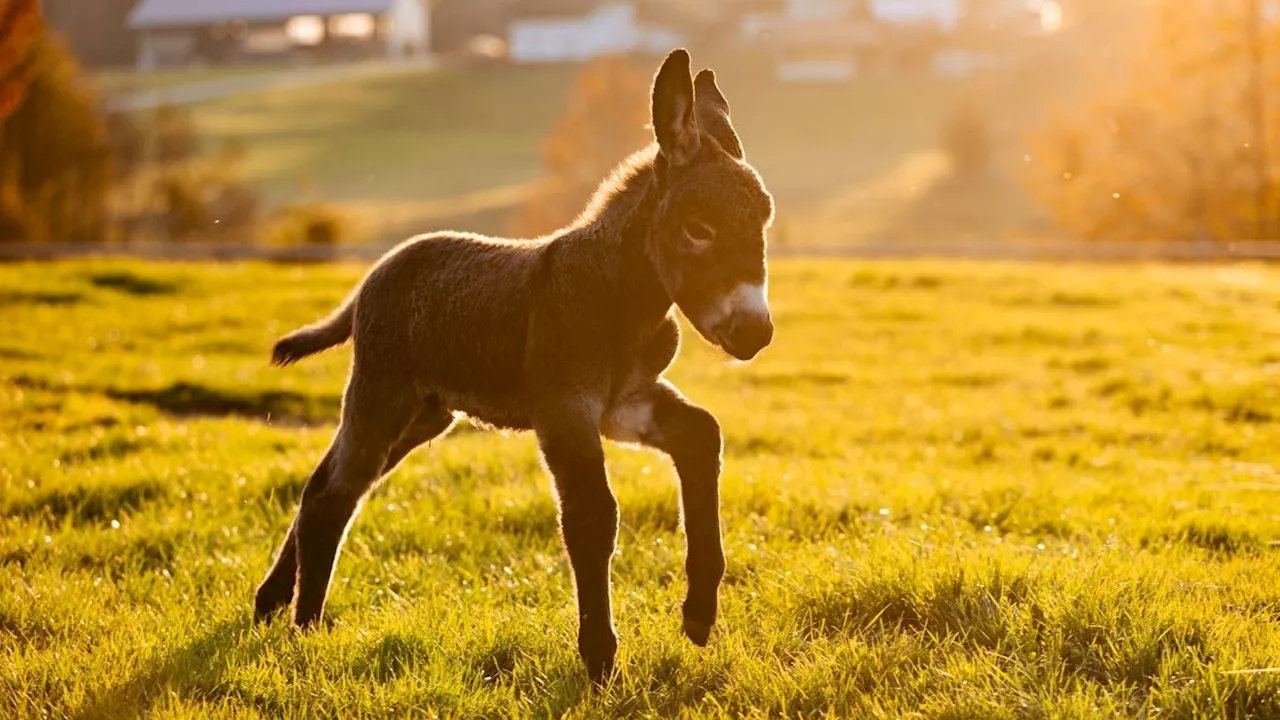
<point>589,522</point>
<point>660,417</point>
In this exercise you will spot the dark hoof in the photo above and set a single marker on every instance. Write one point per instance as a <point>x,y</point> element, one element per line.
<point>698,632</point>
<point>599,670</point>
<point>268,603</point>
<point>302,625</point>
<point>699,614</point>
<point>597,654</point>
<point>310,618</point>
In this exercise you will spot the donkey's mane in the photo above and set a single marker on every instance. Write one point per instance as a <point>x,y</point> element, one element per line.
<point>619,194</point>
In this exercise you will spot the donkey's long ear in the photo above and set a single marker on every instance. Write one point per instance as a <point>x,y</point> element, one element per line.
<point>712,111</point>
<point>674,123</point>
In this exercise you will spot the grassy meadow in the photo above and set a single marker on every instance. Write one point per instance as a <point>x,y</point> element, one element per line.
<point>133,80</point>
<point>951,490</point>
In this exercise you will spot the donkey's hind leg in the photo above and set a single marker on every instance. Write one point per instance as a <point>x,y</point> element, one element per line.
<point>276,591</point>
<point>432,421</point>
<point>374,416</point>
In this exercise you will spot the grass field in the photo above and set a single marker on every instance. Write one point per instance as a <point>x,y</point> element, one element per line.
<point>455,147</point>
<point>130,80</point>
<point>951,491</point>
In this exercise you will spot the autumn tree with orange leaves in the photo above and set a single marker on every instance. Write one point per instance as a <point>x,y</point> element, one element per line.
<point>605,121</point>
<point>1186,146</point>
<point>55,159</point>
<point>20,27</point>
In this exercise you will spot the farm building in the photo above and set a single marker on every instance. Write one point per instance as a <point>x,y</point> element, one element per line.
<point>833,40</point>
<point>183,32</point>
<point>579,30</point>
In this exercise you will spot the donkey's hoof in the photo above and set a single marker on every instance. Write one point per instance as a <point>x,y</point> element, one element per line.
<point>600,670</point>
<point>267,604</point>
<point>597,652</point>
<point>307,620</point>
<point>698,632</point>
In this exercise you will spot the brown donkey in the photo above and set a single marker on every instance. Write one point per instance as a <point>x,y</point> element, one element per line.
<point>567,336</point>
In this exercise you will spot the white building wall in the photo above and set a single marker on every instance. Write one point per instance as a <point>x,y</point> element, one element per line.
<point>610,29</point>
<point>158,48</point>
<point>943,14</point>
<point>408,26</point>
<point>940,13</point>
<point>814,10</point>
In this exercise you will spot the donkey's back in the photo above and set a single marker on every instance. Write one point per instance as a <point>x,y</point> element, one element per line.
<point>445,314</point>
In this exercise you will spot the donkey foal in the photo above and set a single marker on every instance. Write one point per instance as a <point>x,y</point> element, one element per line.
<point>567,336</point>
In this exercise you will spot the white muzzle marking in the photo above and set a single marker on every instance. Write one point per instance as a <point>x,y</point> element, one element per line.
<point>744,300</point>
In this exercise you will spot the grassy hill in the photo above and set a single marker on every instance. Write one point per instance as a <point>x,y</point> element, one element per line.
<point>951,490</point>
<point>458,147</point>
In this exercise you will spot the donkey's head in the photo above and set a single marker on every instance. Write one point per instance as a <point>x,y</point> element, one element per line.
<point>708,240</point>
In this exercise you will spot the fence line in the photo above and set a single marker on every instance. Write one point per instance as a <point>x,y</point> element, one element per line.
<point>1079,251</point>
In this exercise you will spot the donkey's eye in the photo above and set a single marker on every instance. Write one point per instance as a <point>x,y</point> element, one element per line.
<point>700,234</point>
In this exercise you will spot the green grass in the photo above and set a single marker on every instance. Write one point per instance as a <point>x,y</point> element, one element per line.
<point>387,142</point>
<point>847,162</point>
<point>951,491</point>
<point>130,80</point>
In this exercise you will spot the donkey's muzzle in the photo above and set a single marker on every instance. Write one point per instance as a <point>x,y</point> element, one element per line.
<point>747,334</point>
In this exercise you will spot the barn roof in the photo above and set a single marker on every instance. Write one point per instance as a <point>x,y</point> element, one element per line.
<point>186,13</point>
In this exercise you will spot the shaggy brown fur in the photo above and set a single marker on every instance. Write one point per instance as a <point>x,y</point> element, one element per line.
<point>567,336</point>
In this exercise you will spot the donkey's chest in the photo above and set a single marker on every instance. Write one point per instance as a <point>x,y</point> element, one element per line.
<point>647,358</point>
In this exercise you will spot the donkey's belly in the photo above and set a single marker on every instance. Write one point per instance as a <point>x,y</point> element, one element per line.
<point>497,412</point>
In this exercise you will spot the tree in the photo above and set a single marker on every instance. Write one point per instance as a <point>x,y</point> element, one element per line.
<point>20,28</point>
<point>1179,149</point>
<point>605,121</point>
<point>55,161</point>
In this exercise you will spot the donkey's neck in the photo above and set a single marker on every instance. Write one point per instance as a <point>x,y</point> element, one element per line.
<point>619,221</point>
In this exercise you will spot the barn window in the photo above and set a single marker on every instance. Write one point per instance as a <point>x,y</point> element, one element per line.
<point>360,26</point>
<point>305,29</point>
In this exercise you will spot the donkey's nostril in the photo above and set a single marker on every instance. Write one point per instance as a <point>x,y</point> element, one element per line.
<point>748,335</point>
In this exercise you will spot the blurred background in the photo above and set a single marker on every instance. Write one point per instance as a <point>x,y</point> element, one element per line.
<point>193,128</point>
<point>951,488</point>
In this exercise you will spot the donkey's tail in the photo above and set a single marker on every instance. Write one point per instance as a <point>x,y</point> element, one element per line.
<point>322,335</point>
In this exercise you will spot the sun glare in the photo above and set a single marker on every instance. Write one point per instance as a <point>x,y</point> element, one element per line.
<point>1051,17</point>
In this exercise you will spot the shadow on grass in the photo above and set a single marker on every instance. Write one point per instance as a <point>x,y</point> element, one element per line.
<point>16,354</point>
<point>39,298</point>
<point>195,670</point>
<point>96,503</point>
<point>188,399</point>
<point>132,283</point>
<point>392,657</point>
